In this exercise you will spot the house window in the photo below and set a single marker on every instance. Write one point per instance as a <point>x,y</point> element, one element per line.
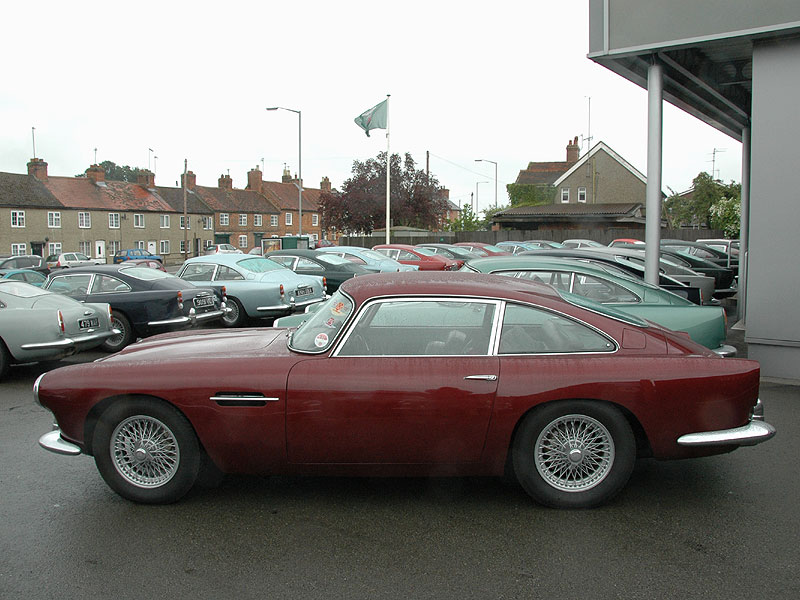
<point>163,247</point>
<point>581,194</point>
<point>114,247</point>
<point>84,220</point>
<point>273,220</point>
<point>242,220</point>
<point>183,246</point>
<point>139,245</point>
<point>564,195</point>
<point>164,221</point>
<point>113,220</point>
<point>208,222</point>
<point>257,220</point>
<point>223,218</point>
<point>242,241</point>
<point>208,244</point>
<point>54,219</point>
<point>19,249</point>
<point>288,218</point>
<point>138,221</point>
<point>18,218</point>
<point>186,223</point>
<point>85,248</point>
<point>54,248</point>
<point>314,220</point>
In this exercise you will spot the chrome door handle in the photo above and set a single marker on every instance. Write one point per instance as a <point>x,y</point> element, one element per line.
<point>482,377</point>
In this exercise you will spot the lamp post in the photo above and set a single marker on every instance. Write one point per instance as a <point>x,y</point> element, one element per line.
<point>299,164</point>
<point>476,208</point>
<point>495,177</point>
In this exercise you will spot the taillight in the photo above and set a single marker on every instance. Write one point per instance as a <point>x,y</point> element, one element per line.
<point>109,314</point>
<point>180,300</point>
<point>224,294</point>
<point>61,322</point>
<point>325,284</point>
<point>282,291</point>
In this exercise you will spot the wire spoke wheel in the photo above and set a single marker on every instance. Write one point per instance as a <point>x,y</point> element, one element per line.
<point>145,451</point>
<point>574,453</point>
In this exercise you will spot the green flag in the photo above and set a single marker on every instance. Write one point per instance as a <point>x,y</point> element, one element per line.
<point>374,118</point>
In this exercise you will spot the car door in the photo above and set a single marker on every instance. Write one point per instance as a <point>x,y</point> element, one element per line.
<point>413,381</point>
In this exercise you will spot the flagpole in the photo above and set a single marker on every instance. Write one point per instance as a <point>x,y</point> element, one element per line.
<point>388,169</point>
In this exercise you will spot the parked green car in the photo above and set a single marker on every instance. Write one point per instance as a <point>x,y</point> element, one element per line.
<point>704,324</point>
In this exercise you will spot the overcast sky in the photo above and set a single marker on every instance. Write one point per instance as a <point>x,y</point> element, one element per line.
<point>506,81</point>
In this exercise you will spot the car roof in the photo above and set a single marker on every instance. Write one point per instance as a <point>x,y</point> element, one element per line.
<point>92,269</point>
<point>292,252</point>
<point>509,263</point>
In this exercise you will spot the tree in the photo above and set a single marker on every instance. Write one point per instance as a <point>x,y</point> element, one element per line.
<point>466,221</point>
<point>416,199</point>
<point>726,214</point>
<point>526,194</point>
<point>695,209</point>
<point>116,173</point>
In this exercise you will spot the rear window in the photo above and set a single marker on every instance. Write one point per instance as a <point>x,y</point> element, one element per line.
<point>257,264</point>
<point>21,289</point>
<point>145,273</point>
<point>602,309</point>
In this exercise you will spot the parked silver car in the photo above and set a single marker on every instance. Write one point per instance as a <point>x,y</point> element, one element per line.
<point>221,249</point>
<point>71,259</point>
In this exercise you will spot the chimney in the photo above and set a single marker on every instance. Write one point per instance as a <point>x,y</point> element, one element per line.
<point>146,178</point>
<point>287,175</point>
<point>325,185</point>
<point>573,151</point>
<point>38,168</point>
<point>254,180</point>
<point>191,180</point>
<point>225,182</point>
<point>96,173</point>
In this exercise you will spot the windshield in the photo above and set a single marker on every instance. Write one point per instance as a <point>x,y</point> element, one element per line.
<point>318,333</point>
<point>424,251</point>
<point>258,264</point>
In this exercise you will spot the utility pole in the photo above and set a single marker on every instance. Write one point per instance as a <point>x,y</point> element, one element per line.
<point>185,216</point>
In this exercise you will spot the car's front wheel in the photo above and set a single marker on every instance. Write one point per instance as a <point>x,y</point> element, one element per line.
<point>574,454</point>
<point>146,451</point>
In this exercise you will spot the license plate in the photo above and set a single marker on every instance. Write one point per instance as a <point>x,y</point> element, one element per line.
<point>87,323</point>
<point>303,291</point>
<point>203,301</point>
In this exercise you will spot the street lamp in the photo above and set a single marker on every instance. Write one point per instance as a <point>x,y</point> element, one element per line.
<point>477,206</point>
<point>299,164</point>
<point>495,177</point>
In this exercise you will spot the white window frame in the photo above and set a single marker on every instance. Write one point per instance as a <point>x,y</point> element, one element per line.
<point>54,219</point>
<point>114,246</point>
<point>582,194</point>
<point>257,220</point>
<point>53,248</point>
<point>163,247</point>
<point>19,249</point>
<point>243,220</point>
<point>18,218</point>
<point>187,221</point>
<point>208,223</point>
<point>138,220</point>
<point>85,247</point>
<point>273,220</point>
<point>564,195</point>
<point>314,220</point>
<point>164,222</point>
<point>242,241</point>
<point>183,247</point>
<point>84,220</point>
<point>113,220</point>
<point>224,219</point>
<point>140,244</point>
<point>288,219</point>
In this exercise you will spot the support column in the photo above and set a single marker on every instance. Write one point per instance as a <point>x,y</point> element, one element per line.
<point>744,230</point>
<point>655,85</point>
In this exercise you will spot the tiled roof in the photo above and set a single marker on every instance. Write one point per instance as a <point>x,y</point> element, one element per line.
<point>606,210</point>
<point>81,192</point>
<point>543,173</point>
<point>25,191</point>
<point>285,196</point>
<point>174,198</point>
<point>234,200</point>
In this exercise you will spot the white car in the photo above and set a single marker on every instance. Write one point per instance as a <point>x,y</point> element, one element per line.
<point>221,249</point>
<point>71,259</point>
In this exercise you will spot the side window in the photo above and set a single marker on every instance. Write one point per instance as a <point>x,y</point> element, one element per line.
<point>406,255</point>
<point>422,328</point>
<point>528,330</point>
<point>227,274</point>
<point>198,272</point>
<point>286,261</point>
<point>104,284</point>
<point>308,265</point>
<point>71,285</point>
<point>601,290</point>
<point>354,259</point>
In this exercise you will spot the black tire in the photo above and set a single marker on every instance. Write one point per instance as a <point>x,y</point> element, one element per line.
<point>236,316</point>
<point>118,342</point>
<point>5,360</point>
<point>146,451</point>
<point>587,470</point>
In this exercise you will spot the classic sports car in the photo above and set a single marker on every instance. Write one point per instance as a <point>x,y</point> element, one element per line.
<point>39,325</point>
<point>705,324</point>
<point>256,286</point>
<point>482,249</point>
<point>424,259</point>
<point>409,374</point>
<point>27,275</point>
<point>369,259</point>
<point>144,301</point>
<point>335,269</point>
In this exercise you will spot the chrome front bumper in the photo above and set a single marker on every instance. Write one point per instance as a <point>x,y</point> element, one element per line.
<point>755,432</point>
<point>725,351</point>
<point>53,442</point>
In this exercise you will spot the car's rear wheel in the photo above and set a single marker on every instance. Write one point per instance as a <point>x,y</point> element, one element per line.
<point>146,451</point>
<point>117,342</point>
<point>235,316</point>
<point>574,454</point>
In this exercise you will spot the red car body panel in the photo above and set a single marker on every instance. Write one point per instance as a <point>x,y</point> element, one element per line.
<point>394,415</point>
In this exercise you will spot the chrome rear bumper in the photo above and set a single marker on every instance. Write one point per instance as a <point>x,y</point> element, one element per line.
<point>755,432</point>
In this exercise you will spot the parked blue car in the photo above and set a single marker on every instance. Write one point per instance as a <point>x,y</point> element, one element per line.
<point>131,253</point>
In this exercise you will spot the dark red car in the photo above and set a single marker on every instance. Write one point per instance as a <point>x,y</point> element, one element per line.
<point>409,374</point>
<point>423,258</point>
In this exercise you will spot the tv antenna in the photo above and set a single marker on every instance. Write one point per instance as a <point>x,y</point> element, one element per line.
<point>714,161</point>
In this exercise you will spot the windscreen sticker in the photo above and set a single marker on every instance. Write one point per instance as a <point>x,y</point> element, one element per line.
<point>331,323</point>
<point>321,340</point>
<point>339,309</point>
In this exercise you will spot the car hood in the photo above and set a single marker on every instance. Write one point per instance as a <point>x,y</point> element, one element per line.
<point>203,343</point>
